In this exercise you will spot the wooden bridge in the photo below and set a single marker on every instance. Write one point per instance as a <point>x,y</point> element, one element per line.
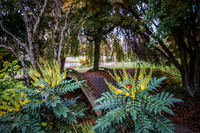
<point>87,87</point>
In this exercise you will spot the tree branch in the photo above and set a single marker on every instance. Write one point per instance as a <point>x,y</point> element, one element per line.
<point>21,60</point>
<point>8,48</point>
<point>15,38</point>
<point>39,17</point>
<point>62,34</point>
<point>170,55</point>
<point>25,17</point>
<point>162,53</point>
<point>30,10</point>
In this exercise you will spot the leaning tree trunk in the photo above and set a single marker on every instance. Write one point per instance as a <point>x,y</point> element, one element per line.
<point>96,53</point>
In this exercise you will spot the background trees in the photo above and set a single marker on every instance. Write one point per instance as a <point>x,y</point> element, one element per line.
<point>154,29</point>
<point>180,20</point>
<point>30,14</point>
<point>97,18</point>
<point>158,20</point>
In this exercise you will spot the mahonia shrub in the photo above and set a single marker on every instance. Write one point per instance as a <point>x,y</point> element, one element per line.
<point>130,107</point>
<point>84,127</point>
<point>43,109</point>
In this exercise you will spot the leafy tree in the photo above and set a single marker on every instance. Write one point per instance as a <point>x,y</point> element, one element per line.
<point>95,17</point>
<point>157,20</point>
<point>30,14</point>
<point>181,23</point>
<point>57,31</point>
<point>14,24</point>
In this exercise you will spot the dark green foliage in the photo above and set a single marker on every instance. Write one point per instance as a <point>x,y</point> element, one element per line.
<point>170,13</point>
<point>45,112</point>
<point>119,51</point>
<point>82,128</point>
<point>141,113</point>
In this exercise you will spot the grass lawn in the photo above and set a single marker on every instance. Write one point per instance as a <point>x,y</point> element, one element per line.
<point>75,59</point>
<point>119,65</point>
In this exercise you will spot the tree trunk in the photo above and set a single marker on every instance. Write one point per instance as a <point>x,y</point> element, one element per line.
<point>96,53</point>
<point>192,87</point>
<point>25,70</point>
<point>191,81</point>
<point>62,64</point>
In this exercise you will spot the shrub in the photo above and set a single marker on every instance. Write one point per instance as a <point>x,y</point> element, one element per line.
<point>84,61</point>
<point>45,111</point>
<point>10,68</point>
<point>82,128</point>
<point>7,74</point>
<point>130,107</point>
<point>10,100</point>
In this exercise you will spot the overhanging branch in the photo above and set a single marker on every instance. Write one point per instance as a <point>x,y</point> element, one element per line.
<point>8,48</point>
<point>14,37</point>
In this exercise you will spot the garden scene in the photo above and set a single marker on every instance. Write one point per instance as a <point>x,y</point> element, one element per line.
<point>99,66</point>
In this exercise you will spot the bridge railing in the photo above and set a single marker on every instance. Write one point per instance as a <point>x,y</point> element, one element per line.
<point>85,86</point>
<point>100,69</point>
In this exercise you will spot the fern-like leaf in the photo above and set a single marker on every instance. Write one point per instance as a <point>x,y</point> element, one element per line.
<point>117,115</point>
<point>60,109</point>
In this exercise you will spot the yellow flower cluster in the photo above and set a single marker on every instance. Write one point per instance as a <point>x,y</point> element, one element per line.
<point>129,82</point>
<point>141,74</point>
<point>116,90</point>
<point>50,74</point>
<point>143,83</point>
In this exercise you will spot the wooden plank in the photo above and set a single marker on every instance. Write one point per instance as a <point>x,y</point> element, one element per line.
<point>86,88</point>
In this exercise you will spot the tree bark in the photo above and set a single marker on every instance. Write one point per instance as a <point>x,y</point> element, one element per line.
<point>62,64</point>
<point>32,31</point>
<point>25,70</point>
<point>60,49</point>
<point>96,53</point>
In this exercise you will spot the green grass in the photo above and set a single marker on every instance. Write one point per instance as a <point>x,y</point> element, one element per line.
<point>75,59</point>
<point>85,66</point>
<point>126,65</point>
